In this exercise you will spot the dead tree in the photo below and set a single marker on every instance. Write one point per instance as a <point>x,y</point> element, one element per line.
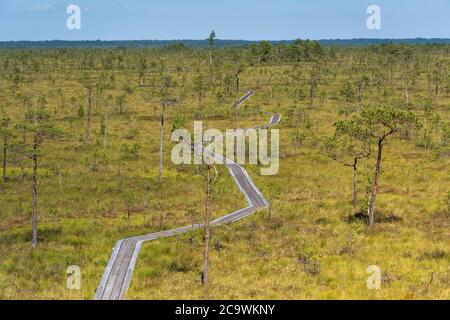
<point>209,178</point>
<point>105,136</point>
<point>406,61</point>
<point>88,123</point>
<point>238,78</point>
<point>313,83</point>
<point>165,102</point>
<point>5,135</point>
<point>41,128</point>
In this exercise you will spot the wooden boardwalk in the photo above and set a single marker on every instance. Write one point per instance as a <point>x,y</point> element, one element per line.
<point>117,276</point>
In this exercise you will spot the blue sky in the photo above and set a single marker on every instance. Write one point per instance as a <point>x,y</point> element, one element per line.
<point>231,19</point>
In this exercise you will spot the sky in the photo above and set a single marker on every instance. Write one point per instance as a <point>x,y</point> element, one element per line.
<point>231,19</point>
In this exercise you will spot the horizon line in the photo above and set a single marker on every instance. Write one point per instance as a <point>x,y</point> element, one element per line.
<point>205,39</point>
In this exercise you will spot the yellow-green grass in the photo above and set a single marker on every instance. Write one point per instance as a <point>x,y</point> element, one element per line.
<point>82,218</point>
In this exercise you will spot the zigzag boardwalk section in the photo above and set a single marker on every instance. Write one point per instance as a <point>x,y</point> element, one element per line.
<point>117,276</point>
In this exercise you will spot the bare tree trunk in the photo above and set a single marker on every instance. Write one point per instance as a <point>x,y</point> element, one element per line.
<point>207,226</point>
<point>60,175</point>
<point>5,150</point>
<point>22,158</point>
<point>161,138</point>
<point>22,168</point>
<point>311,96</point>
<point>88,124</point>
<point>35,210</point>
<point>237,98</point>
<point>227,87</point>
<point>105,138</point>
<point>405,80</point>
<point>355,185</point>
<point>375,183</point>
<point>235,118</point>
<point>359,94</point>
<point>406,95</point>
<point>236,110</point>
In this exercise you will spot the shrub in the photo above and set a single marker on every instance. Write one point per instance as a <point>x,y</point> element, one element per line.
<point>308,258</point>
<point>130,152</point>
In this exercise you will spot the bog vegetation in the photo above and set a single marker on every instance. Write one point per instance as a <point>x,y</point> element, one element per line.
<point>364,170</point>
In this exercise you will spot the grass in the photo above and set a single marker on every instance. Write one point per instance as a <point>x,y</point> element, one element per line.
<point>307,249</point>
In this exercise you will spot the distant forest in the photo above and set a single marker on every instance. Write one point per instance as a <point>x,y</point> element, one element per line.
<point>204,43</point>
